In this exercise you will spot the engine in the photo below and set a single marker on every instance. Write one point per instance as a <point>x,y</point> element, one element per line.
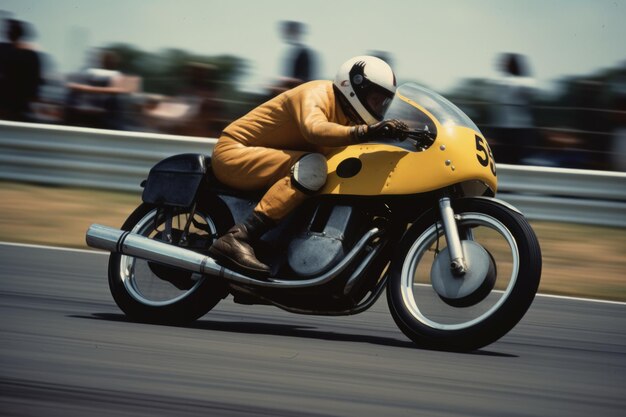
<point>324,240</point>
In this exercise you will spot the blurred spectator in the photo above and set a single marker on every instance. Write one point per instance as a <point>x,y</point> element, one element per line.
<point>197,111</point>
<point>20,72</point>
<point>513,136</point>
<point>590,122</point>
<point>98,97</point>
<point>299,65</point>
<point>618,145</point>
<point>563,148</point>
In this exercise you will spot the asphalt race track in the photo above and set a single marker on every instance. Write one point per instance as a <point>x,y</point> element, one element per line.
<point>66,350</point>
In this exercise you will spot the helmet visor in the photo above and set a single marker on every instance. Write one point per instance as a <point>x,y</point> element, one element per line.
<point>374,98</point>
<point>377,101</point>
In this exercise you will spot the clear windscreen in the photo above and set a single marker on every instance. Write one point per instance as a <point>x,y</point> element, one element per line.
<point>446,113</point>
<point>406,104</point>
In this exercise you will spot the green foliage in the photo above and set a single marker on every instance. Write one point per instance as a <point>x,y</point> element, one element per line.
<point>167,71</point>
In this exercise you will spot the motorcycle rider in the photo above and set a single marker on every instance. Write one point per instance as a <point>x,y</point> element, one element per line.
<point>280,146</point>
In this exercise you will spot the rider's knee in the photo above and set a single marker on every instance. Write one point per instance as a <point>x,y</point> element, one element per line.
<point>310,172</point>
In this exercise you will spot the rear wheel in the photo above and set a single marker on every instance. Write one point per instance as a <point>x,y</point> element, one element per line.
<point>439,310</point>
<point>151,292</point>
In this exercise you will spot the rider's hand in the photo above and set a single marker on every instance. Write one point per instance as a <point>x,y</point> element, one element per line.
<point>387,129</point>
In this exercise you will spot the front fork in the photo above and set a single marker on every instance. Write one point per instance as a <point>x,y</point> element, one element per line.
<point>453,240</point>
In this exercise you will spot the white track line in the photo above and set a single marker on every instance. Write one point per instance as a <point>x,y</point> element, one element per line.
<point>592,300</point>
<point>28,245</point>
<point>95,252</point>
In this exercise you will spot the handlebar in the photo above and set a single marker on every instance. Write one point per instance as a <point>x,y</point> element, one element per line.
<point>422,139</point>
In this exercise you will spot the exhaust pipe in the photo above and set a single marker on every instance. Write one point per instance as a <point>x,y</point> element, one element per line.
<point>132,244</point>
<point>126,243</point>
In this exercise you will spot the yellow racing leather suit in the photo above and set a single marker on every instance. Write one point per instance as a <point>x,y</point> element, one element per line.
<point>257,151</point>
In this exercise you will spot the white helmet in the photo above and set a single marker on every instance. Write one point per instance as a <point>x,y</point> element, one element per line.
<point>367,84</point>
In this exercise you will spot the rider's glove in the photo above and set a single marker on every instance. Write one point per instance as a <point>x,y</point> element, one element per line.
<point>387,129</point>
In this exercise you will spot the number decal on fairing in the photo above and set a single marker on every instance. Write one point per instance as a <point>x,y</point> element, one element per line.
<point>484,155</point>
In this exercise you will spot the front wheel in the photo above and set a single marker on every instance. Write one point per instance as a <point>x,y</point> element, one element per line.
<point>151,292</point>
<point>497,241</point>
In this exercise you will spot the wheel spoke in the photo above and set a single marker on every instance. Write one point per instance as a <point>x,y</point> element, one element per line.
<point>158,285</point>
<point>433,309</point>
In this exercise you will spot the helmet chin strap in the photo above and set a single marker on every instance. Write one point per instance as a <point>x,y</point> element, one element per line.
<point>347,108</point>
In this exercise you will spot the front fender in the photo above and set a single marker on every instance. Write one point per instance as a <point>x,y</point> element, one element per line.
<point>431,215</point>
<point>497,201</point>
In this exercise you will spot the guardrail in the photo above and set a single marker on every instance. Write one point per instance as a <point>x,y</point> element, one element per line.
<point>117,160</point>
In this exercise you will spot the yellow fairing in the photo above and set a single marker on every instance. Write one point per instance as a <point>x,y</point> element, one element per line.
<point>459,155</point>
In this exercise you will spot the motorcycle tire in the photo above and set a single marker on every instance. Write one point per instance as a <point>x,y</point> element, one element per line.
<point>421,313</point>
<point>149,292</point>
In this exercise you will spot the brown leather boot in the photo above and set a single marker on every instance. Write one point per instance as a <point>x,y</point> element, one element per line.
<point>235,247</point>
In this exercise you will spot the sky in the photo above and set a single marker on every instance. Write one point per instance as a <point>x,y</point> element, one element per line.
<point>435,42</point>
